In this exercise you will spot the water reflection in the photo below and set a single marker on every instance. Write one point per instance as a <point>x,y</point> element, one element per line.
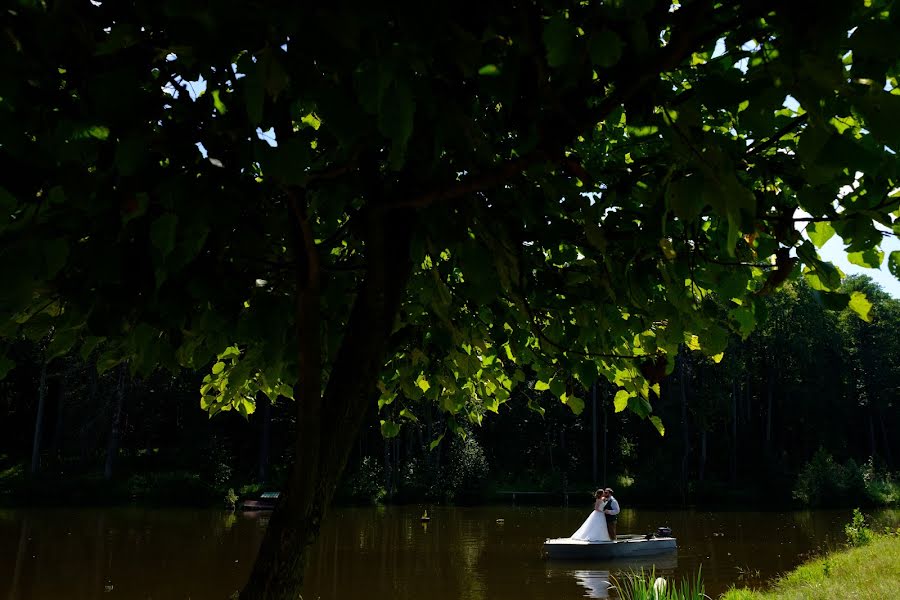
<point>598,578</point>
<point>595,582</point>
<point>386,553</point>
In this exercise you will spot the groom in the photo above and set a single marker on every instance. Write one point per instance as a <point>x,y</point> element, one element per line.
<point>611,510</point>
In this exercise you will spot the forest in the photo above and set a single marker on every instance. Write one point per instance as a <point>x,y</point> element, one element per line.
<point>801,412</point>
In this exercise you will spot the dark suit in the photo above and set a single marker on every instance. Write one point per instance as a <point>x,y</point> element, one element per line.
<point>610,519</point>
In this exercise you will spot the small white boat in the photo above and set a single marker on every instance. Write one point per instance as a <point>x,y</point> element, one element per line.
<point>624,546</point>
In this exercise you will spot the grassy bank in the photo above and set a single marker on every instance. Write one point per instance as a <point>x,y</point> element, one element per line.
<point>870,571</point>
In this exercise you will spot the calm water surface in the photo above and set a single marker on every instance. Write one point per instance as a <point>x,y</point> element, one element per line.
<point>386,553</point>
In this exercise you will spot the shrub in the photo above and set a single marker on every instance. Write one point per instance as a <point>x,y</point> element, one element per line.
<point>468,466</point>
<point>825,482</point>
<point>881,488</point>
<point>230,499</point>
<point>364,486</point>
<point>858,534</point>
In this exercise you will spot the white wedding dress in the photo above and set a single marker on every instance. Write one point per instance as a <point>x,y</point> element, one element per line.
<point>593,529</point>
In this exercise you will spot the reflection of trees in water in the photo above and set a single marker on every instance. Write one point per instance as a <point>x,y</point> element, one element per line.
<point>20,559</point>
<point>132,553</point>
<point>825,528</point>
<point>388,553</point>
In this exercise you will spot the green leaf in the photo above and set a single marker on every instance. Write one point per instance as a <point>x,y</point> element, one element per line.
<point>162,233</point>
<point>390,429</point>
<point>745,318</point>
<point>605,48</point>
<point>668,249</point>
<point>422,383</point>
<point>62,342</point>
<point>894,263</point>
<point>218,368</point>
<point>540,386</point>
<point>882,114</point>
<point>535,407</point>
<point>435,442</point>
<point>395,119</point>
<point>273,76</point>
<point>99,132</point>
<point>693,342</point>
<point>254,97</point>
<point>89,345</point>
<point>56,252</point>
<point>246,407</point>
<point>559,39</point>
<point>7,203</point>
<point>386,399</point>
<point>860,305</point>
<point>870,259</point>
<point>129,153</point>
<point>558,386</point>
<point>836,301</point>
<point>407,414</point>
<point>575,403</point>
<point>685,198</point>
<point>620,402</point>
<point>489,70</point>
<point>509,353</point>
<point>820,233</point>
<point>6,365</point>
<point>229,352</point>
<point>217,102</point>
<point>657,422</point>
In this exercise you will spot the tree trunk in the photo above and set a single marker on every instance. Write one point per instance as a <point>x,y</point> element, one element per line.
<point>388,469</point>
<point>701,470</point>
<point>328,423</point>
<point>56,445</point>
<point>83,431</point>
<point>265,436</point>
<point>734,430</point>
<point>685,434</point>
<point>769,394</point>
<point>605,442</point>
<point>112,447</point>
<point>888,453</point>
<point>873,449</point>
<point>39,420</point>
<point>594,431</point>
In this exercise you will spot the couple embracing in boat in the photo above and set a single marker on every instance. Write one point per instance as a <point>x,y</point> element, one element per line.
<point>600,526</point>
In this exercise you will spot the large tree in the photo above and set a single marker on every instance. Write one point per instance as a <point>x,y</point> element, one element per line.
<point>347,203</point>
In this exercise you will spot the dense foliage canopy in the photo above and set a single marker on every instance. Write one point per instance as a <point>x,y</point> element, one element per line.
<point>432,197</point>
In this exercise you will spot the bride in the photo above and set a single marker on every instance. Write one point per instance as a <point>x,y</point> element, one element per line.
<point>594,527</point>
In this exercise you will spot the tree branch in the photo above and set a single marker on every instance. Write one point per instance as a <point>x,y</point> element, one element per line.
<point>776,137</point>
<point>476,183</point>
<point>690,28</point>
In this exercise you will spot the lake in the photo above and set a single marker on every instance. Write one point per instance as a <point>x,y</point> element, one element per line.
<point>383,553</point>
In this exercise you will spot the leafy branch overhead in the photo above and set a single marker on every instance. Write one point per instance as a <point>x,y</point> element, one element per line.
<point>580,188</point>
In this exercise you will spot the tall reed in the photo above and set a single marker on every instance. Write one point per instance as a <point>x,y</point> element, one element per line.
<point>643,585</point>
